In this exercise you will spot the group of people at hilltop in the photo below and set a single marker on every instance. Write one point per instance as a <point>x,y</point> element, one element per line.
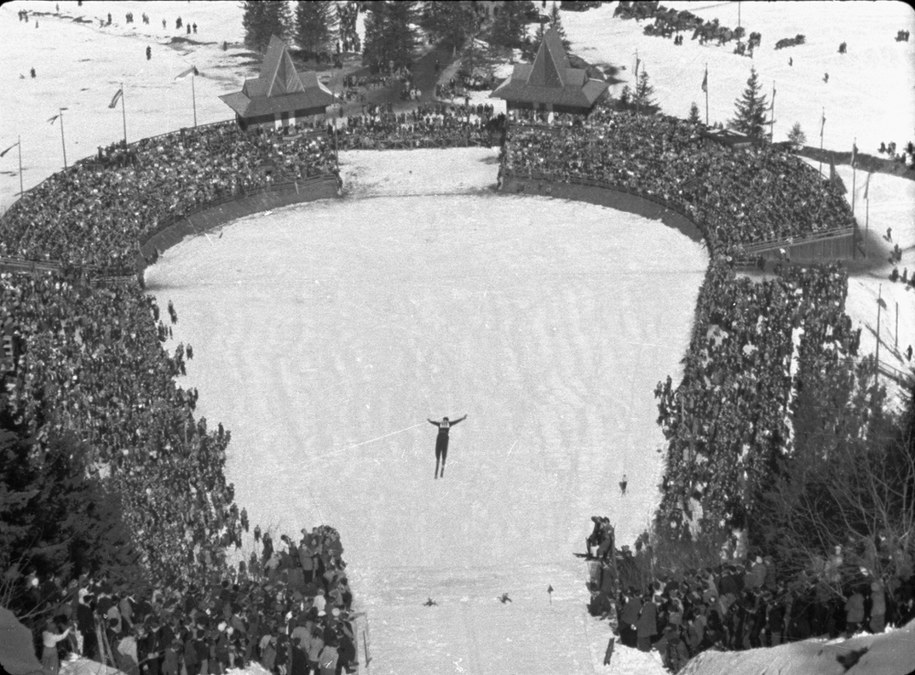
<point>736,196</point>
<point>289,609</point>
<point>739,604</point>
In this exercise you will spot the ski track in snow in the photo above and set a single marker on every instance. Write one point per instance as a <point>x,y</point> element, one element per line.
<point>325,334</point>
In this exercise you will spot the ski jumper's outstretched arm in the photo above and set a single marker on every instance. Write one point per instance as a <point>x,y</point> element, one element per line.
<point>432,421</point>
<point>459,419</point>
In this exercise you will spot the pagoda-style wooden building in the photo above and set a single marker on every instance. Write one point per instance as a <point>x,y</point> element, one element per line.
<point>279,96</point>
<point>550,83</point>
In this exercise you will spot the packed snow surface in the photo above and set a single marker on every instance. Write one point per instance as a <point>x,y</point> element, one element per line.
<point>325,335</point>
<point>889,653</point>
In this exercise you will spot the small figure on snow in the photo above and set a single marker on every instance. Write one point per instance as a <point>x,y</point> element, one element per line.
<point>441,441</point>
<point>623,484</point>
<point>430,603</point>
<point>504,598</point>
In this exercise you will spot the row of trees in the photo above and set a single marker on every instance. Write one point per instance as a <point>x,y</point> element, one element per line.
<point>311,24</point>
<point>391,28</point>
<point>751,110</point>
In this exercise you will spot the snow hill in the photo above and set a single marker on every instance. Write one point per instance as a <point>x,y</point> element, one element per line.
<point>325,334</point>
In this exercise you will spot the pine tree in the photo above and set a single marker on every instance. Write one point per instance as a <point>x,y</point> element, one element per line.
<point>751,109</point>
<point>263,19</point>
<point>643,99</point>
<point>796,136</point>
<point>390,38</point>
<point>450,23</point>
<point>315,25</point>
<point>510,25</point>
<point>625,100</point>
<point>694,114</point>
<point>556,24</point>
<point>57,521</point>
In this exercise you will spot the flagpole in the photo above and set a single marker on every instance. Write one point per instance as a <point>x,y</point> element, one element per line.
<point>124,114</point>
<point>867,214</point>
<point>194,97</point>
<point>877,364</point>
<point>706,94</point>
<point>822,124</point>
<point>854,173</point>
<point>63,144</point>
<point>19,143</point>
<point>772,114</point>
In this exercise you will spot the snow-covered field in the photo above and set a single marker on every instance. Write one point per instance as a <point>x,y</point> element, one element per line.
<point>869,94</point>
<point>327,334</point>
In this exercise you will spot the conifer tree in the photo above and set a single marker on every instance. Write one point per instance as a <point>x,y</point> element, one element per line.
<point>797,137</point>
<point>750,113</point>
<point>390,38</point>
<point>450,23</point>
<point>57,520</point>
<point>315,25</point>
<point>510,24</point>
<point>694,114</point>
<point>643,99</point>
<point>556,24</point>
<point>261,20</point>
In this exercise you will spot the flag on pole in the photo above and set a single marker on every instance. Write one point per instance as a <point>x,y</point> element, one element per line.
<point>867,184</point>
<point>705,80</point>
<point>823,122</point>
<point>637,67</point>
<point>9,148</point>
<point>881,302</point>
<point>184,73</point>
<point>854,153</point>
<point>117,97</point>
<point>53,119</point>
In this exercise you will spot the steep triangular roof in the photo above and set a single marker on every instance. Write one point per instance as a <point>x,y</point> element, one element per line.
<point>279,87</point>
<point>551,62</point>
<point>551,80</point>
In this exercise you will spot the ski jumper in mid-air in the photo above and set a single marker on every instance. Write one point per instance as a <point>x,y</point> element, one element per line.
<point>441,441</point>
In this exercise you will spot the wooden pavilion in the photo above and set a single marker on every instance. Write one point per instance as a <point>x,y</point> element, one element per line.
<point>550,83</point>
<point>279,96</point>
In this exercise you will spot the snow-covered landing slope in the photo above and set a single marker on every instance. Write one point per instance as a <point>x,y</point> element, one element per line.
<point>325,334</point>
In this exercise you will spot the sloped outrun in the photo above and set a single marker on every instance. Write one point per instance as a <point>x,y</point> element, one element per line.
<point>87,359</point>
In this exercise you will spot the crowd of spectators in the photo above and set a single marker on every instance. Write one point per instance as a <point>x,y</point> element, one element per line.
<point>96,212</point>
<point>738,604</point>
<point>289,609</point>
<point>429,125</point>
<point>735,196</point>
<point>93,355</point>
<point>752,342</point>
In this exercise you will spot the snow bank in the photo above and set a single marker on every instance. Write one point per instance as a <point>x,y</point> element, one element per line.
<point>890,653</point>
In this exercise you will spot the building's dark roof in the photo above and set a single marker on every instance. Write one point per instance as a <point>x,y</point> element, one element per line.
<point>551,80</point>
<point>279,88</point>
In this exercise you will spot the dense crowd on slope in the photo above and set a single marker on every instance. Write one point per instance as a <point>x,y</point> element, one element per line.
<point>290,609</point>
<point>729,414</point>
<point>736,196</point>
<point>736,605</point>
<point>97,211</point>
<point>91,365</point>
